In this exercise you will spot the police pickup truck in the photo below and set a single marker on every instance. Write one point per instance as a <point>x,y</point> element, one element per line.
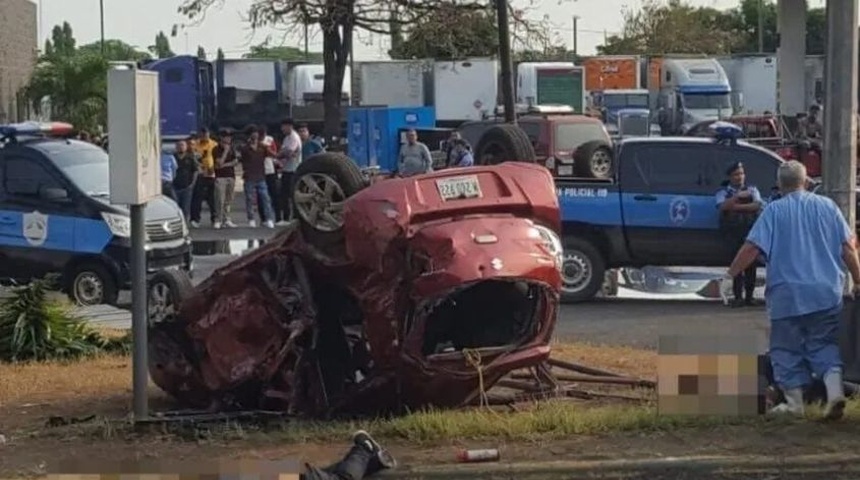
<point>658,208</point>
<point>56,217</point>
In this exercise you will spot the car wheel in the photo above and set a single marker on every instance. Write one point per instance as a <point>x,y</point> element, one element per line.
<point>166,291</point>
<point>92,284</point>
<point>322,183</point>
<point>504,143</point>
<point>583,271</point>
<point>594,160</point>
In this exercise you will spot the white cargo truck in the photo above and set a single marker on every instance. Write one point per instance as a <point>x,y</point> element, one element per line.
<point>465,90</point>
<point>394,83</point>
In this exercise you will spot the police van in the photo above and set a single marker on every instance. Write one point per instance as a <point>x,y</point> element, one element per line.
<point>56,217</point>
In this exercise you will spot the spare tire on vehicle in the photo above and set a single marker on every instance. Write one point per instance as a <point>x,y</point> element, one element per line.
<point>594,159</point>
<point>504,143</point>
<point>321,185</point>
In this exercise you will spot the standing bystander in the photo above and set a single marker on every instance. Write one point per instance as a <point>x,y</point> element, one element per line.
<point>270,171</point>
<point>739,205</point>
<point>204,190</point>
<point>805,242</point>
<point>226,160</point>
<point>310,145</point>
<point>168,171</point>
<point>187,170</point>
<point>414,158</point>
<point>289,158</point>
<point>253,158</point>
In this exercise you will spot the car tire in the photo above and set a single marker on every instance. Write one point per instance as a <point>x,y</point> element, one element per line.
<point>594,160</point>
<point>504,143</point>
<point>583,271</point>
<point>166,291</point>
<point>91,283</point>
<point>320,182</point>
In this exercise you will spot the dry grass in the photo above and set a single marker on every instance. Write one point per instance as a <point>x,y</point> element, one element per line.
<point>622,360</point>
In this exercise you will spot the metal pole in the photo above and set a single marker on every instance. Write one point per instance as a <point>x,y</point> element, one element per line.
<point>839,165</point>
<point>505,57</point>
<point>307,50</point>
<point>575,35</point>
<point>760,27</point>
<point>139,313</point>
<point>351,64</point>
<point>102,21</point>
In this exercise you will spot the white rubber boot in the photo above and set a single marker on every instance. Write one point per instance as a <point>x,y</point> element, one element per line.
<point>835,395</point>
<point>793,403</point>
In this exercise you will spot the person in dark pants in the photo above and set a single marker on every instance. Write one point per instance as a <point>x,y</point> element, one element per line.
<point>739,205</point>
<point>289,158</point>
<point>365,458</point>
<point>272,184</point>
<point>185,178</point>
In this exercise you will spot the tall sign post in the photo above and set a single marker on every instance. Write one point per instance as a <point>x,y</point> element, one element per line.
<point>135,179</point>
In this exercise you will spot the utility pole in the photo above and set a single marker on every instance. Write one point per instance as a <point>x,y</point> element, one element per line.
<point>760,27</point>
<point>839,166</point>
<point>307,51</point>
<point>575,35</point>
<point>505,58</point>
<point>102,21</point>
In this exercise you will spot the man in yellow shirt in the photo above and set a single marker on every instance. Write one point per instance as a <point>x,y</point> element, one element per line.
<point>204,190</point>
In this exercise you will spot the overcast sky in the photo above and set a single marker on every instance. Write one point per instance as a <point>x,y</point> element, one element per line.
<point>137,21</point>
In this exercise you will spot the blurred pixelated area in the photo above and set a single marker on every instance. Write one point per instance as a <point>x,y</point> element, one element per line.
<point>160,470</point>
<point>723,376</point>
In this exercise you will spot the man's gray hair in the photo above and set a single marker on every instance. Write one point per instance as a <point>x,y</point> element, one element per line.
<point>791,175</point>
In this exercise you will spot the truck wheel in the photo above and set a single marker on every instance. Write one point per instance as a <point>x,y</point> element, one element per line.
<point>504,143</point>
<point>90,283</point>
<point>322,183</point>
<point>594,159</point>
<point>167,290</point>
<point>583,271</point>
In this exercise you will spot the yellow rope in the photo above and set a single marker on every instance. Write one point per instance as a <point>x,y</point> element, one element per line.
<point>473,358</point>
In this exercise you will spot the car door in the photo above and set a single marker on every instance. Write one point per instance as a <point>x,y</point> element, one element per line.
<point>38,226</point>
<point>667,201</point>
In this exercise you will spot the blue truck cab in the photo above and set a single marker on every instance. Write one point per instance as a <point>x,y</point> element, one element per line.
<point>658,208</point>
<point>187,94</point>
<point>56,217</point>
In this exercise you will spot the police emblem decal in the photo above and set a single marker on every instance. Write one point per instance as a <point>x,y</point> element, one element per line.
<point>679,210</point>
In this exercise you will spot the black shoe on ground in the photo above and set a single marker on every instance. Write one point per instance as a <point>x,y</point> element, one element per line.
<point>364,440</point>
<point>737,303</point>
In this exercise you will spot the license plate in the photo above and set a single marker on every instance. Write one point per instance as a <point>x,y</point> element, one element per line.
<point>459,188</point>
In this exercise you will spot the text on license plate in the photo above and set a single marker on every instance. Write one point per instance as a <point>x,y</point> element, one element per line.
<point>459,187</point>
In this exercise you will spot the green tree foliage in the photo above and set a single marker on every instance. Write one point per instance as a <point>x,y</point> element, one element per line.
<point>115,51</point>
<point>74,79</point>
<point>450,33</point>
<point>161,48</point>
<point>220,54</point>
<point>677,27</point>
<point>35,327</point>
<point>201,53</point>
<point>266,51</point>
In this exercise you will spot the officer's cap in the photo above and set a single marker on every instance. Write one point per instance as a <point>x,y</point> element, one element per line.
<point>734,168</point>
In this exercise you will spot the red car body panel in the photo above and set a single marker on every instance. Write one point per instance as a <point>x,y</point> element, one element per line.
<point>265,331</point>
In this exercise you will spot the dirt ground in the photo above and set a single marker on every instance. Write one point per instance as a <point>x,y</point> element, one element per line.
<point>31,394</point>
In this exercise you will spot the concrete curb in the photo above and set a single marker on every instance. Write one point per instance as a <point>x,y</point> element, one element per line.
<point>694,464</point>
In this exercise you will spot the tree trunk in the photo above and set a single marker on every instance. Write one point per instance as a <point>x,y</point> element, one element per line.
<point>336,47</point>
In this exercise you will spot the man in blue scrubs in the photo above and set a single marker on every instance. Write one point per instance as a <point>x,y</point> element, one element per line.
<point>806,243</point>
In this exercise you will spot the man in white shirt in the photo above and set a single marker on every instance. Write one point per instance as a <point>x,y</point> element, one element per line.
<point>289,158</point>
<point>271,172</point>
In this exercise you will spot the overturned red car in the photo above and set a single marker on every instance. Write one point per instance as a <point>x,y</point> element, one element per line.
<point>399,294</point>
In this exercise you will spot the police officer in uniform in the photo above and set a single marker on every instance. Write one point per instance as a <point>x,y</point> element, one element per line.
<point>739,205</point>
